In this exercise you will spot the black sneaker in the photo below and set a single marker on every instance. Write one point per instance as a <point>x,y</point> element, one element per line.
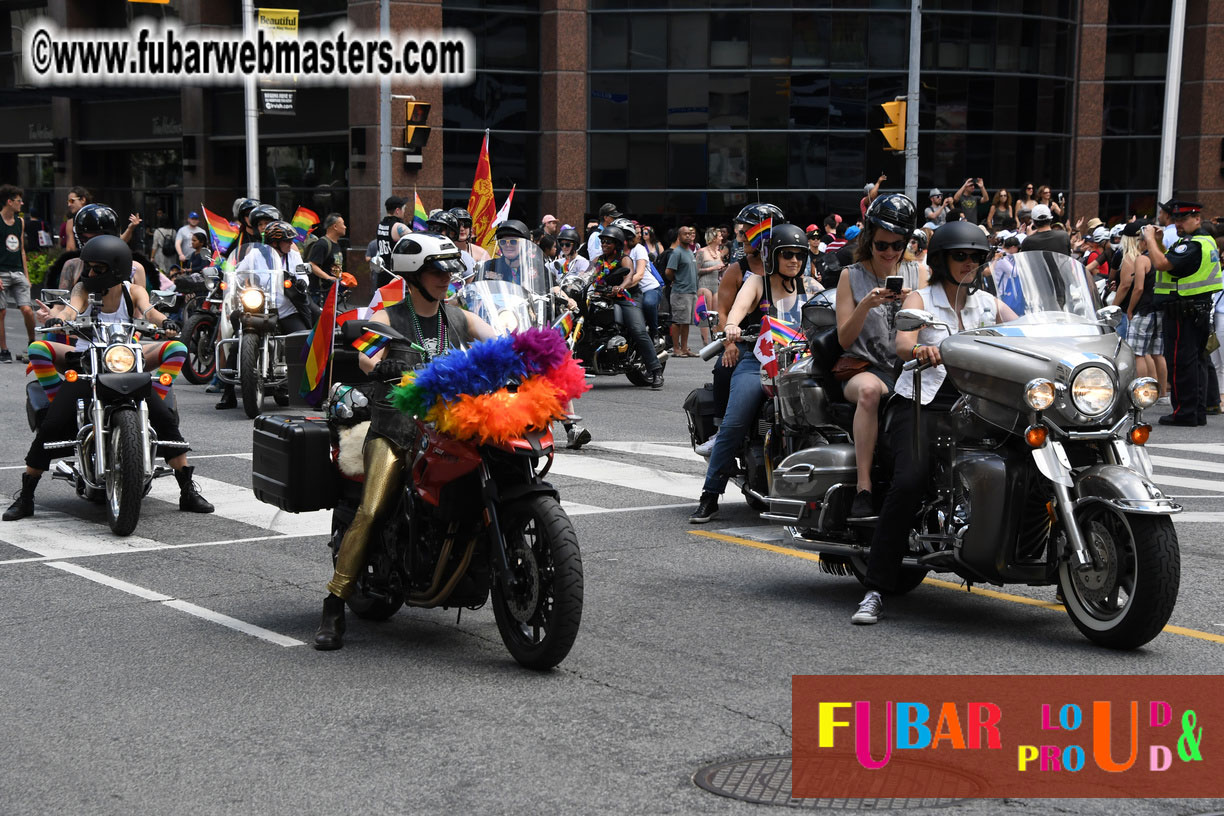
<point>6,356</point>
<point>656,380</point>
<point>863,507</point>
<point>707,509</point>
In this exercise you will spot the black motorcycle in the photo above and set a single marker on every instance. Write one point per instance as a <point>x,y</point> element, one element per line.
<point>599,338</point>
<point>202,316</point>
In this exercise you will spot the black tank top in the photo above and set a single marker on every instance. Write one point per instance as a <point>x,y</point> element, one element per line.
<point>383,235</point>
<point>1144,305</point>
<point>10,245</point>
<point>454,321</point>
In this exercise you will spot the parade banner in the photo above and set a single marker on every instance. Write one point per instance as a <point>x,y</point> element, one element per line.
<point>480,203</point>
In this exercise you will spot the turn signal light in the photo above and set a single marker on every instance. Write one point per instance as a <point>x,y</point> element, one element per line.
<point>224,286</point>
<point>1035,435</point>
<point>165,379</point>
<point>70,375</point>
<point>288,284</point>
<point>1140,433</point>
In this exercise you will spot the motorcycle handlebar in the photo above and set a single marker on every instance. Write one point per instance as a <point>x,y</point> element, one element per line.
<point>717,346</point>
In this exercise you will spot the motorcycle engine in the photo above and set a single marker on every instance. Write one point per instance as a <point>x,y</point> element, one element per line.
<point>613,353</point>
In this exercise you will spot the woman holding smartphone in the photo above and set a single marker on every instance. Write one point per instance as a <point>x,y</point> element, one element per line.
<point>1044,196</point>
<point>866,302</point>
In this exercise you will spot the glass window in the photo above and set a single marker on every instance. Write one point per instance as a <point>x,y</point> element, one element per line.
<point>770,40</point>
<point>1133,108</point>
<point>501,101</point>
<point>729,40</point>
<point>609,103</point>
<point>609,42</point>
<point>688,101</point>
<point>845,162</point>
<point>809,100</point>
<point>1130,163</point>
<point>648,161</point>
<point>770,101</point>
<point>728,161</point>
<point>767,155</point>
<point>848,39</point>
<point>647,100</point>
<point>810,40</point>
<point>848,102</point>
<point>649,42</point>
<point>686,161</point>
<point>608,160</point>
<point>688,37</point>
<point>808,160</point>
<point>888,40</point>
<point>729,103</point>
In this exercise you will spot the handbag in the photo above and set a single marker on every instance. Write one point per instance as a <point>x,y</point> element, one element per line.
<point>847,366</point>
<point>1213,343</point>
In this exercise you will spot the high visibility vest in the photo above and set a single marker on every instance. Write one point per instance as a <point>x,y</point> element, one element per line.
<point>1206,279</point>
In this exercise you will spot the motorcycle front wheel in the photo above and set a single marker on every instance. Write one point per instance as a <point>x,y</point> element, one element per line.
<point>200,334</point>
<point>539,622</point>
<point>252,375</point>
<point>1126,599</point>
<point>124,473</point>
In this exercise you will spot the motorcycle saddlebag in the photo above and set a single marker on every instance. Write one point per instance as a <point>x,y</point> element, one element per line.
<point>291,463</point>
<point>699,406</point>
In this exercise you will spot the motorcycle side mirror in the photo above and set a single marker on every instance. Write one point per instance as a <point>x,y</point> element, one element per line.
<point>1110,315</point>
<point>163,297</point>
<point>303,269</point>
<point>59,296</point>
<point>913,319</point>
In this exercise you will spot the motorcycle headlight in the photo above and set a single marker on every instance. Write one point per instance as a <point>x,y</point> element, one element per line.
<point>1144,392</point>
<point>507,321</point>
<point>252,299</point>
<point>1092,391</point>
<point>1039,394</point>
<point>119,359</point>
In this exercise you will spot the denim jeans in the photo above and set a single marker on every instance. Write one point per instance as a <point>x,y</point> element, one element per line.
<point>650,308</point>
<point>746,399</point>
<point>635,326</point>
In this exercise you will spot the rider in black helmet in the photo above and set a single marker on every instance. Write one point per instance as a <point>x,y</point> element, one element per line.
<point>467,241</point>
<point>612,258</point>
<point>958,251</point>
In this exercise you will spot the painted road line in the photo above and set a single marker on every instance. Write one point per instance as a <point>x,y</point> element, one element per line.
<point>193,458</point>
<point>1185,481</point>
<point>591,511</point>
<point>183,606</point>
<point>976,590</point>
<point>59,535</point>
<point>622,474</point>
<point>1211,448</point>
<point>238,503</point>
<point>40,558</point>
<point>663,449</point>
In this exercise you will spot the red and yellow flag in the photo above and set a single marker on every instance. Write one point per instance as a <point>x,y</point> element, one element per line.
<point>480,203</point>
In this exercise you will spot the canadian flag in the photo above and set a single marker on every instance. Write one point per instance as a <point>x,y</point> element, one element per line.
<point>504,212</point>
<point>764,351</point>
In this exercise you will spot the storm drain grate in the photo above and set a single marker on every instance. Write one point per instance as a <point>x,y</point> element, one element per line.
<point>767,781</point>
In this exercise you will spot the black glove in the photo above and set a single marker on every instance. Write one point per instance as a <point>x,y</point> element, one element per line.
<point>52,321</point>
<point>171,327</point>
<point>388,369</point>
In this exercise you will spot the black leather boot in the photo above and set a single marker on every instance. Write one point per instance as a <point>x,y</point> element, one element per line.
<point>228,399</point>
<point>331,628</point>
<point>190,500</point>
<point>24,504</point>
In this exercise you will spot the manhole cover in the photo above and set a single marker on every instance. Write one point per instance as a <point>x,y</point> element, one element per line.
<point>767,781</point>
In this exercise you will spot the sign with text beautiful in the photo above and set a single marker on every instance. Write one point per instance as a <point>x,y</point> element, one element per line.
<point>1007,736</point>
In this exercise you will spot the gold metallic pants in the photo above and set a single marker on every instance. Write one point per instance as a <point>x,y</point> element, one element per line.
<point>383,477</point>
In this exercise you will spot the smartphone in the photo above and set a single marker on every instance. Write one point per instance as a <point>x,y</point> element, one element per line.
<point>894,283</point>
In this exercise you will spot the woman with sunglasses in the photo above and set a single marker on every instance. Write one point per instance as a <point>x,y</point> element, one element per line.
<point>865,308</point>
<point>1025,202</point>
<point>1044,196</point>
<point>1000,216</point>
<point>957,252</point>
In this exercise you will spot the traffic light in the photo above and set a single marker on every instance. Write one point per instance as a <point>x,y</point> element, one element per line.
<point>894,131</point>
<point>416,133</point>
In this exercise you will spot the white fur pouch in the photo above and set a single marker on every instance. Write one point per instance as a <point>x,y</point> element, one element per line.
<point>352,444</point>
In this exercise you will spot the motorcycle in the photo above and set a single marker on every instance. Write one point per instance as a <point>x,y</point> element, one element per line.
<point>473,521</point>
<point>257,363</point>
<point>598,338</point>
<point>115,446</point>
<point>514,290</point>
<point>200,329</point>
<point>1039,471</point>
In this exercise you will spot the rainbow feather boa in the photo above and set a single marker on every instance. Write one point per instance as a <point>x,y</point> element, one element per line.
<point>466,393</point>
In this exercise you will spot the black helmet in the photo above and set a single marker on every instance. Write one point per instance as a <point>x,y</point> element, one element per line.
<point>279,231</point>
<point>754,214</point>
<point>94,219</point>
<point>462,216</point>
<point>570,234</point>
<point>512,229</point>
<point>443,223</point>
<point>263,212</point>
<point>893,212</point>
<point>954,235</point>
<point>613,234</point>
<point>242,207</point>
<point>112,251</point>
<point>921,237</point>
<point>785,236</point>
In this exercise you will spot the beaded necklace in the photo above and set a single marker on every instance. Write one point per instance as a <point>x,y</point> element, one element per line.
<point>416,323</point>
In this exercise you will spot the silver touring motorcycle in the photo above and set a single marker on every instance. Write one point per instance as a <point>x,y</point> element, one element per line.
<point>1039,471</point>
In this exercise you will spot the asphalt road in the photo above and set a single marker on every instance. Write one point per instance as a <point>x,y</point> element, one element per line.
<point>170,672</point>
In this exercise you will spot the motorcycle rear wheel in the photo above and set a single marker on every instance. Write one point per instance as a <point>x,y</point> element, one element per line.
<point>363,604</point>
<point>252,376</point>
<point>909,579</point>
<point>200,334</point>
<point>1129,599</point>
<point>540,623</point>
<point>124,473</point>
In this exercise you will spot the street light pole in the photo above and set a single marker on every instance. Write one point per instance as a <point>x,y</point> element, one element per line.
<point>1168,129</point>
<point>911,106</point>
<point>251,104</point>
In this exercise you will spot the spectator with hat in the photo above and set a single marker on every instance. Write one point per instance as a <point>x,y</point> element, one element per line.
<point>870,193</point>
<point>937,213</point>
<point>607,214</point>
<point>551,225</point>
<point>1145,332</point>
<point>1164,217</point>
<point>1043,236</point>
<point>182,238</point>
<point>1187,280</point>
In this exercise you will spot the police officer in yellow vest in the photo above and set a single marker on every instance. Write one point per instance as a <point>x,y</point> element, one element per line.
<point>1187,277</point>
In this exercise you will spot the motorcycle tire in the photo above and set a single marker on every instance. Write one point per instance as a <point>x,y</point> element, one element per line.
<point>363,604</point>
<point>124,473</point>
<point>1140,558</point>
<point>251,378</point>
<point>540,623</point>
<point>908,579</point>
<point>281,398</point>
<point>201,337</point>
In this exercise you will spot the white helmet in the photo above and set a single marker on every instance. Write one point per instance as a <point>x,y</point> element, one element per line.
<point>415,251</point>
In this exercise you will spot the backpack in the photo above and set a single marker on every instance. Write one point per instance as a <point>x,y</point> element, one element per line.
<point>650,267</point>
<point>167,244</point>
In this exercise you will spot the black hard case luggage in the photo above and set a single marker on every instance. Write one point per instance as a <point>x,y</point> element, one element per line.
<point>699,407</point>
<point>291,464</point>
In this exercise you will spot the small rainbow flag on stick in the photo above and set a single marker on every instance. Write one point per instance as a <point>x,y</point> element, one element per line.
<point>304,221</point>
<point>565,324</point>
<point>371,343</point>
<point>757,233</point>
<point>223,232</point>
<point>782,333</point>
<point>419,216</point>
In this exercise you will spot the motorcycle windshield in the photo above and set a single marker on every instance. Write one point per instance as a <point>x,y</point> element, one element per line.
<point>258,266</point>
<point>518,261</point>
<point>503,305</point>
<point>1046,289</point>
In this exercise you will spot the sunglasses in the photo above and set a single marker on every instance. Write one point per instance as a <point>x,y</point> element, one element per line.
<point>960,256</point>
<point>884,246</point>
<point>791,255</point>
<point>568,243</point>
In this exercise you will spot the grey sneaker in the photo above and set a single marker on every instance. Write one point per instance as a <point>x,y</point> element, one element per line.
<point>869,609</point>
<point>576,437</point>
<point>707,447</point>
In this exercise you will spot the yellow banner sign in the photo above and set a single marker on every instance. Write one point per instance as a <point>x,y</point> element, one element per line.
<point>282,21</point>
<point>154,2</point>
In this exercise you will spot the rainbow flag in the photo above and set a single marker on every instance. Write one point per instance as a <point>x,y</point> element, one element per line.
<point>565,324</point>
<point>388,295</point>
<point>304,221</point>
<point>757,233</point>
<point>782,333</point>
<point>223,233</point>
<point>317,352</point>
<point>371,343</point>
<point>419,215</point>
<point>700,311</point>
